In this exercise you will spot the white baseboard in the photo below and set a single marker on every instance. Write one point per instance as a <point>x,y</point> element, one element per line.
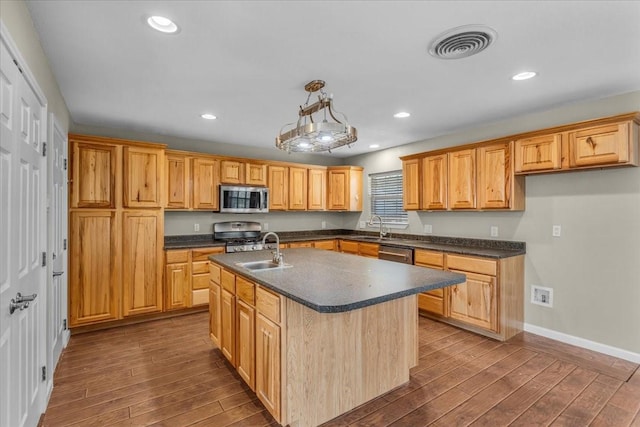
<point>584,343</point>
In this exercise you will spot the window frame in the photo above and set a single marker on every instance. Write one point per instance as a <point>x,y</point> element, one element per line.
<point>400,217</point>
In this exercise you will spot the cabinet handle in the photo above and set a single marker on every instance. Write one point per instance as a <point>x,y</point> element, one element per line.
<point>591,142</point>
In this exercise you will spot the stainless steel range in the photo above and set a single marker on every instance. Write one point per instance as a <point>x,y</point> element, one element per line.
<point>241,236</point>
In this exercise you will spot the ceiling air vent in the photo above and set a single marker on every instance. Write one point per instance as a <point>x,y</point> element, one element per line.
<point>463,41</point>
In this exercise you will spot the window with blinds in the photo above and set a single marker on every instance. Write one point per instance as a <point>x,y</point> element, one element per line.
<point>385,191</point>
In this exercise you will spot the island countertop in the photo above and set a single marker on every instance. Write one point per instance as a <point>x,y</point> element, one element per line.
<point>332,282</point>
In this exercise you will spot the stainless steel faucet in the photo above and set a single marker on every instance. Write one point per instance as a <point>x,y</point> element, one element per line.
<point>277,256</point>
<point>382,232</point>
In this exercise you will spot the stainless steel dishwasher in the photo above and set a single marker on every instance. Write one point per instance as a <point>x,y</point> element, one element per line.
<point>392,253</point>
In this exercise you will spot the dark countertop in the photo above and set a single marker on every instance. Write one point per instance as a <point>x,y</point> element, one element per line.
<point>485,248</point>
<point>332,282</point>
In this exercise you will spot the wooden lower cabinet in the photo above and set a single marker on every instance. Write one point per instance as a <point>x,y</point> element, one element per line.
<point>246,343</point>
<point>176,286</point>
<point>200,274</point>
<point>369,250</point>
<point>435,301</point>
<point>329,245</point>
<point>228,326</point>
<point>214,312</point>
<point>267,386</point>
<point>475,301</point>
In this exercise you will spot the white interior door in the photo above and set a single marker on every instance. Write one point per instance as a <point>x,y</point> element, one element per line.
<point>22,243</point>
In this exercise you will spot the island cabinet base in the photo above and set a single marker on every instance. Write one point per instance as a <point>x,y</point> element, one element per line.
<point>333,362</point>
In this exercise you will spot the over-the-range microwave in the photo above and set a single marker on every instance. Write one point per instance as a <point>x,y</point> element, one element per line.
<point>244,199</point>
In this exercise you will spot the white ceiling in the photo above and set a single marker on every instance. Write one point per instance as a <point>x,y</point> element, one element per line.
<point>247,62</point>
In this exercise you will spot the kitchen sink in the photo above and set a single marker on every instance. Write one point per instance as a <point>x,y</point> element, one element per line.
<point>262,265</point>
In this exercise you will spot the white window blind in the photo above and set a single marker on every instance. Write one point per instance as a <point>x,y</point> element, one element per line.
<point>385,191</point>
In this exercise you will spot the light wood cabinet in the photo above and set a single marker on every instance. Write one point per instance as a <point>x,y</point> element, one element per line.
<point>348,247</point>
<point>462,179</point>
<point>411,175</point>
<point>231,172</point>
<point>94,168</point>
<point>434,182</point>
<point>214,313</point>
<point>345,188</point>
<point>538,153</point>
<point>142,273</point>
<point>256,174</point>
<point>365,249</point>
<point>178,189</point>
<point>268,364</point>
<point>498,187</point>
<point>474,301</point>
<point>600,145</point>
<point>205,183</point>
<point>329,245</point>
<point>300,245</point>
<point>177,278</point>
<point>278,187</point>
<point>143,177</point>
<point>297,188</point>
<point>435,301</point>
<point>228,326</point>
<point>95,262</point>
<point>246,343</point>
<point>317,193</point>
<point>200,274</point>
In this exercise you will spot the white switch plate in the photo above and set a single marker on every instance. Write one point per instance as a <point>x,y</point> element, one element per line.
<point>324,224</point>
<point>363,224</point>
<point>494,231</point>
<point>428,228</point>
<point>196,227</point>
<point>556,231</point>
<point>265,226</point>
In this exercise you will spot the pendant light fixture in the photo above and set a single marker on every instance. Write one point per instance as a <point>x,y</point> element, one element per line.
<point>309,135</point>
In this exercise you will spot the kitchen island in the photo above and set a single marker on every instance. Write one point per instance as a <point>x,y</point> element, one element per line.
<point>323,336</point>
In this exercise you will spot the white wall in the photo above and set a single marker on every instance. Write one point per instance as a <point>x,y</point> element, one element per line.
<point>594,267</point>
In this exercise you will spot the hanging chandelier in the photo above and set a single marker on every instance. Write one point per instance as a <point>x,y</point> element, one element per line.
<point>316,136</point>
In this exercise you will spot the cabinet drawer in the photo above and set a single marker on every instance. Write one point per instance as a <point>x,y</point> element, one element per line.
<point>199,267</point>
<point>349,246</point>
<point>436,293</point>
<point>174,257</point>
<point>268,304</point>
<point>301,244</point>
<point>228,281</point>
<point>203,254</point>
<point>431,303</point>
<point>199,281</point>
<point>324,244</point>
<point>428,258</point>
<point>214,273</point>
<point>369,249</point>
<point>245,290</point>
<point>200,297</point>
<point>476,265</point>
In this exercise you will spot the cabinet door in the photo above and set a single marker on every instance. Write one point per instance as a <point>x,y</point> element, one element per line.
<point>215,313</point>
<point>228,326</point>
<point>338,199</point>
<point>246,340</point>
<point>434,182</point>
<point>94,285</point>
<point>142,273</point>
<point>177,183</point>
<point>495,176</point>
<point>317,195</point>
<point>268,364</point>
<point>349,247</point>
<point>297,189</point>
<point>94,169</point>
<point>434,301</point>
<point>475,301</point>
<point>205,183</point>
<point>329,245</point>
<point>143,177</point>
<point>539,153</point>
<point>177,286</point>
<point>255,174</point>
<point>462,179</point>
<point>411,184</point>
<point>369,250</point>
<point>231,172</point>
<point>600,145</point>
<point>278,188</point>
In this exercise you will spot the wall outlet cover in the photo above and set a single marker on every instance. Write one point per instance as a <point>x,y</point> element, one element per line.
<point>196,227</point>
<point>494,231</point>
<point>363,224</point>
<point>556,231</point>
<point>428,228</point>
<point>324,224</point>
<point>265,226</point>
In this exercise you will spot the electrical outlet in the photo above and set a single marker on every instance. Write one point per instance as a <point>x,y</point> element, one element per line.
<point>556,231</point>
<point>494,231</point>
<point>363,224</point>
<point>427,228</point>
<point>542,296</point>
<point>265,226</point>
<point>324,224</point>
<point>196,227</point>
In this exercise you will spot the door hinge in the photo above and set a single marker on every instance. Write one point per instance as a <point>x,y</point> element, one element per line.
<point>64,324</point>
<point>64,244</point>
<point>44,259</point>
<point>64,164</point>
<point>44,149</point>
<point>44,373</point>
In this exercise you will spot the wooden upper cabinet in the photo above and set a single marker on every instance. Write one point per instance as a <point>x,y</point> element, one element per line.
<point>255,174</point>
<point>317,192</point>
<point>434,182</point>
<point>143,238</point>
<point>600,145</point>
<point>498,188</point>
<point>231,172</point>
<point>345,188</point>
<point>278,187</point>
<point>297,188</point>
<point>411,184</point>
<point>206,179</point>
<point>462,179</point>
<point>94,171</point>
<point>177,171</point>
<point>143,177</point>
<point>538,153</point>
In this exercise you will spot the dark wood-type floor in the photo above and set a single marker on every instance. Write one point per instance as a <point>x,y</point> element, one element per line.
<point>167,373</point>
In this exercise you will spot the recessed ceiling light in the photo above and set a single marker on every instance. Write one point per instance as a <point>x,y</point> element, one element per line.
<point>524,75</point>
<point>162,24</point>
<point>208,116</point>
<point>374,146</point>
<point>401,115</point>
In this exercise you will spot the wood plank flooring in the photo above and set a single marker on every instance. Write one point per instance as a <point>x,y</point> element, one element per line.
<point>167,373</point>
